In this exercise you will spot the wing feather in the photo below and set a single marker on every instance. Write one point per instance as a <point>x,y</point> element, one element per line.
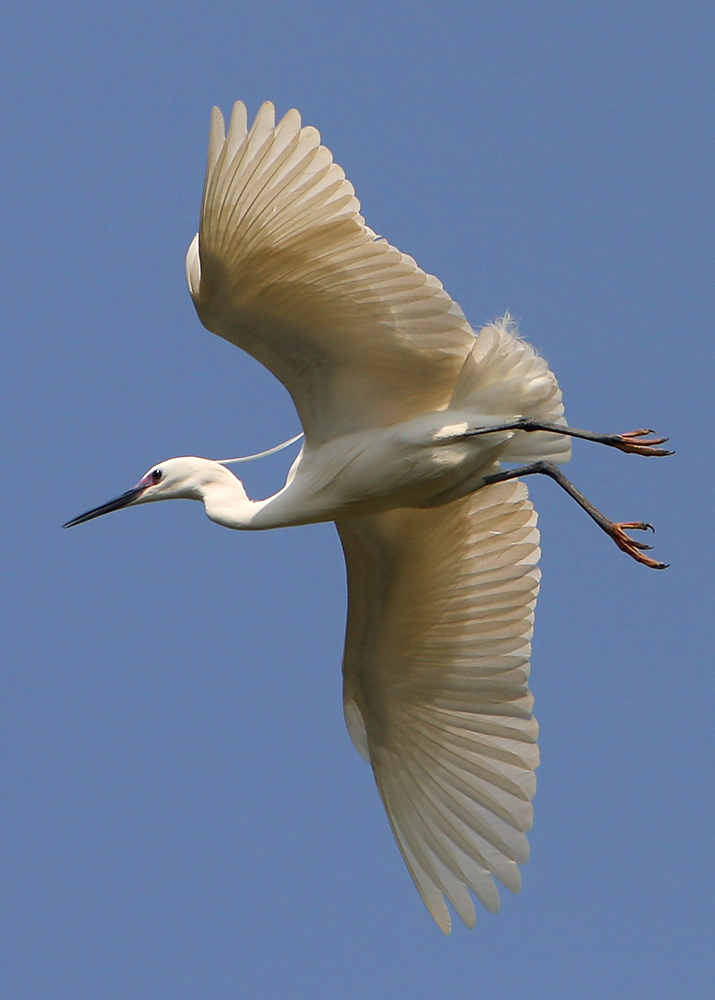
<point>285,267</point>
<point>436,671</point>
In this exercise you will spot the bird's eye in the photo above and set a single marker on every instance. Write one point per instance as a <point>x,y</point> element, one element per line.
<point>156,475</point>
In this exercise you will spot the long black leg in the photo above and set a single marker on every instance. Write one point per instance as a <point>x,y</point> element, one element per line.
<point>628,442</point>
<point>614,529</point>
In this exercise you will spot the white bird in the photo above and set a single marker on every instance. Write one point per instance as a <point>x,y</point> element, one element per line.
<point>407,416</point>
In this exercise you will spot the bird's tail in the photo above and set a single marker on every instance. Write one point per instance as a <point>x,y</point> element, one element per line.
<point>503,376</point>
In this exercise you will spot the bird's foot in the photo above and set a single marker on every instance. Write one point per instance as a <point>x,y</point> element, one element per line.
<point>632,547</point>
<point>631,443</point>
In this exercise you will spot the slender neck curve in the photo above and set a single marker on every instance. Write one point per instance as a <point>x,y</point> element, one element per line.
<point>227,503</point>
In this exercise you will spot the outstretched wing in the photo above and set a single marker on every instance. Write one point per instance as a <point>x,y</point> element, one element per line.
<point>435,682</point>
<point>285,267</point>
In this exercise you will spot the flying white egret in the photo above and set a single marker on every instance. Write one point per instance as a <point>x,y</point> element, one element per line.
<point>407,416</point>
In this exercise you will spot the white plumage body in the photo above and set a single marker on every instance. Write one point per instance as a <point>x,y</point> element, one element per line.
<point>387,376</point>
<point>396,396</point>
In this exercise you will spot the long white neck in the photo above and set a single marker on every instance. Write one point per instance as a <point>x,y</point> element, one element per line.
<point>227,503</point>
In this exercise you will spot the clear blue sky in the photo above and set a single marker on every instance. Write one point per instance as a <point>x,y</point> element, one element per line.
<point>183,814</point>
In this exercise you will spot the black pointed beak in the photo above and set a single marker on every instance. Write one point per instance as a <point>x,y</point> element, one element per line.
<point>122,501</point>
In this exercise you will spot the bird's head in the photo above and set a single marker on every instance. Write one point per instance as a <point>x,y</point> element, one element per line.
<point>175,479</point>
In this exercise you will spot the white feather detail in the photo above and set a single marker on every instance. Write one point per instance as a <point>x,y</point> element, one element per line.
<point>436,669</point>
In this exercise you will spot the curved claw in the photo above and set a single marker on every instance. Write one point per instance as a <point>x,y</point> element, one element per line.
<point>631,546</point>
<point>637,525</point>
<point>628,442</point>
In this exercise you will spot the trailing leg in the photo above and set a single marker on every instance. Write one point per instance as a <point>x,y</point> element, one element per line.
<point>616,530</point>
<point>629,442</point>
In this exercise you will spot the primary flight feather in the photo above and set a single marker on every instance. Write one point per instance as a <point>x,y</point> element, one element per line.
<point>408,417</point>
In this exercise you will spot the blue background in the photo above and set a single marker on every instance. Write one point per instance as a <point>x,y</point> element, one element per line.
<point>184,816</point>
